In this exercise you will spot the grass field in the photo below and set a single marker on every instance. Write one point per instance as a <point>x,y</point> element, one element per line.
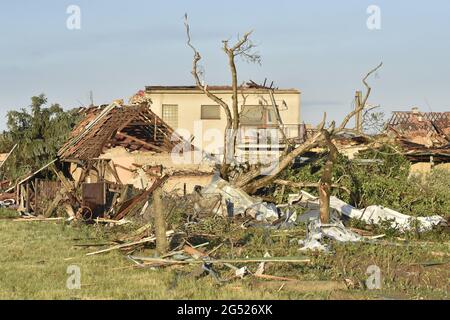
<point>34,257</point>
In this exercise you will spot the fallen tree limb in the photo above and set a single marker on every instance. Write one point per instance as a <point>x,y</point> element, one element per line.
<point>125,245</point>
<point>223,261</point>
<point>38,219</point>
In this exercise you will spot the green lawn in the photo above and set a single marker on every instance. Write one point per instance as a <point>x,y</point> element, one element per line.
<point>34,257</point>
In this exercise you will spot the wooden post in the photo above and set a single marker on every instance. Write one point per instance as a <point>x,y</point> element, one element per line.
<point>18,194</point>
<point>358,116</point>
<point>36,191</point>
<point>160,222</point>
<point>326,180</point>
<point>27,198</point>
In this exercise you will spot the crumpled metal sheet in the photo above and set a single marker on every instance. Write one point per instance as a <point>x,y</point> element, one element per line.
<point>377,214</point>
<point>317,231</point>
<point>371,214</point>
<point>239,202</point>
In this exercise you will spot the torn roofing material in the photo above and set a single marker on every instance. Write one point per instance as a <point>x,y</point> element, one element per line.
<point>134,127</point>
<point>415,122</point>
<point>422,134</point>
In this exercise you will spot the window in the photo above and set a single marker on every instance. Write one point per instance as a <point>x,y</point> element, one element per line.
<point>257,115</point>
<point>170,115</point>
<point>210,113</point>
<point>252,115</point>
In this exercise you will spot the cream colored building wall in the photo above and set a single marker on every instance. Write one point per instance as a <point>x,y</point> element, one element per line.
<point>189,111</point>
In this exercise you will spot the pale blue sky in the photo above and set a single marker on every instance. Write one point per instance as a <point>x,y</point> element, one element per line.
<point>321,47</point>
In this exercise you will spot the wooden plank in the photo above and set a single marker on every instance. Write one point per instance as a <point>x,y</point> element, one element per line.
<point>27,197</point>
<point>31,175</point>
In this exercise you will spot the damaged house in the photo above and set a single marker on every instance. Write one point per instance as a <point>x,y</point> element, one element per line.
<point>173,131</point>
<point>135,142</point>
<point>424,136</point>
<point>113,154</point>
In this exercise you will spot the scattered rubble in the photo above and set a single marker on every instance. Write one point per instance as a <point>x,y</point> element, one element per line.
<point>108,172</point>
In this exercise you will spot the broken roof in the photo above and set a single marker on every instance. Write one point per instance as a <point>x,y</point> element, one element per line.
<point>134,127</point>
<point>415,122</point>
<point>422,134</point>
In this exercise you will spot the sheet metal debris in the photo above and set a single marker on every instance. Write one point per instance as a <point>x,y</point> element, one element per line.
<point>370,215</point>
<point>238,203</point>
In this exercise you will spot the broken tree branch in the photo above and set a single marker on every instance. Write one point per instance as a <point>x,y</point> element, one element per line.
<point>364,101</point>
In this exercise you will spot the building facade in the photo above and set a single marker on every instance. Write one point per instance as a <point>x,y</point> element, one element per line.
<point>195,116</point>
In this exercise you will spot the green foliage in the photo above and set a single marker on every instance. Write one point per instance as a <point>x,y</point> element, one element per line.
<point>432,192</point>
<point>39,133</point>
<point>385,181</point>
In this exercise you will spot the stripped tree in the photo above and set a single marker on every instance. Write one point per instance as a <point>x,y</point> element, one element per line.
<point>242,48</point>
<point>261,176</point>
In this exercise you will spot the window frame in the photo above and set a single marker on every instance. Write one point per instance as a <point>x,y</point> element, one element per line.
<point>172,113</point>
<point>202,117</point>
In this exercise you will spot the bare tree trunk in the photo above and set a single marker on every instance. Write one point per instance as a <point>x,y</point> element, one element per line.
<point>160,222</point>
<point>242,48</point>
<point>234,85</point>
<point>196,74</point>
<point>326,180</point>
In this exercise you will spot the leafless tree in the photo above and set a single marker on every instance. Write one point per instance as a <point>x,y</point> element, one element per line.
<point>244,48</point>
<point>259,177</point>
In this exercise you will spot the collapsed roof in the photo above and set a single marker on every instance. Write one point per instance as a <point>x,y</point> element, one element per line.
<point>134,127</point>
<point>422,134</point>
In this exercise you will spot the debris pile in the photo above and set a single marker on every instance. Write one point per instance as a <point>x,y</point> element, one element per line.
<point>231,205</point>
<point>236,202</point>
<point>118,159</point>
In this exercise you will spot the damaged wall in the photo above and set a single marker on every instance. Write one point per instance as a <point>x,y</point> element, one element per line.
<point>132,167</point>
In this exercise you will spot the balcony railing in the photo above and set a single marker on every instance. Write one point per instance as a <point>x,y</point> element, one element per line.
<point>272,134</point>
